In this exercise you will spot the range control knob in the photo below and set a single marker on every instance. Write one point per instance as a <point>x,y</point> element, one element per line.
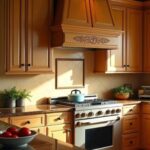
<point>113,111</point>
<point>118,110</point>
<point>83,115</point>
<point>77,115</point>
<point>99,113</point>
<point>90,114</point>
<point>107,111</point>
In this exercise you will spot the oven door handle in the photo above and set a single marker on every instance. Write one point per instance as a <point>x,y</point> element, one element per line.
<point>78,124</point>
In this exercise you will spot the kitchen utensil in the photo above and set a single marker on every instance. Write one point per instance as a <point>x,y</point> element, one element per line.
<point>76,96</point>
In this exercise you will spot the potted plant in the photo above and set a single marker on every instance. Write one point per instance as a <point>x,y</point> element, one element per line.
<point>21,96</point>
<point>122,92</point>
<point>9,96</point>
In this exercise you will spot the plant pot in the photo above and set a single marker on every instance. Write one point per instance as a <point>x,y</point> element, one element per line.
<point>10,103</point>
<point>20,103</point>
<point>122,96</point>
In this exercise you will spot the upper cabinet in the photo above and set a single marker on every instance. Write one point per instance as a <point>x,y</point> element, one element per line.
<point>27,36</point>
<point>128,56</point>
<point>146,60</point>
<point>134,40</point>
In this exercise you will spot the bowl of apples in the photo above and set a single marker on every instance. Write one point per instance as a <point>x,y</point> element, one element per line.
<point>13,137</point>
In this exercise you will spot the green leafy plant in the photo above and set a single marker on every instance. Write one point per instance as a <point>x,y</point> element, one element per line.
<point>8,94</point>
<point>122,89</point>
<point>23,94</point>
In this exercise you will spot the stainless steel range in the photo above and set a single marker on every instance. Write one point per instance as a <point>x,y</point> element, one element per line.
<point>97,123</point>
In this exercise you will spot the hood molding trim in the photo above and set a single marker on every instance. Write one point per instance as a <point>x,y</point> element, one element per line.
<point>75,36</point>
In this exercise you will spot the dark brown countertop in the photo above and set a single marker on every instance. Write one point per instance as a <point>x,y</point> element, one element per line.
<point>33,110</point>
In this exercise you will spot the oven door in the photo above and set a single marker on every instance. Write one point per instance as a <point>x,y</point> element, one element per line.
<point>99,133</point>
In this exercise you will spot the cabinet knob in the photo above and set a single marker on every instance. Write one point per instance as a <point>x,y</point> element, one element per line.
<point>28,122</point>
<point>127,65</point>
<point>29,65</point>
<point>131,123</point>
<point>22,65</point>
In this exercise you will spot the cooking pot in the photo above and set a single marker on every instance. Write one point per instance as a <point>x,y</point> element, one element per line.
<point>76,96</point>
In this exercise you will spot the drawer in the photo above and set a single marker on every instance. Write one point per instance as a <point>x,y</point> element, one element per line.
<point>58,118</point>
<point>130,141</point>
<point>29,121</point>
<point>131,109</point>
<point>4,120</point>
<point>131,123</point>
<point>41,130</point>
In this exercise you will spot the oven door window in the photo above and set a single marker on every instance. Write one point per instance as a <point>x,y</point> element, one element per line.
<point>98,137</point>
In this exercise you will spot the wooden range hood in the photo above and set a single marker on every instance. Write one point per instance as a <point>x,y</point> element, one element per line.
<point>84,23</point>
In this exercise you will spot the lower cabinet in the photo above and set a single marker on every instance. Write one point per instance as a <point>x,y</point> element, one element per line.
<point>145,137</point>
<point>61,132</point>
<point>131,127</point>
<point>59,126</point>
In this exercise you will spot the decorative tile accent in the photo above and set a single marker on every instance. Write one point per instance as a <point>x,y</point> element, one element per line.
<point>91,39</point>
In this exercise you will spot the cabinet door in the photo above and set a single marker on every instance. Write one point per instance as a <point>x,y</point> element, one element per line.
<point>101,13</point>
<point>146,59</point>
<point>145,132</point>
<point>61,132</point>
<point>116,58</point>
<point>134,40</point>
<point>38,41</point>
<point>15,36</point>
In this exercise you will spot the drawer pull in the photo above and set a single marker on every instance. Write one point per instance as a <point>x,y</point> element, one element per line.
<point>131,123</point>
<point>131,142</point>
<point>59,118</point>
<point>130,110</point>
<point>28,122</point>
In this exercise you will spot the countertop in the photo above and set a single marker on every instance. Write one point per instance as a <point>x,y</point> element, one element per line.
<point>42,109</point>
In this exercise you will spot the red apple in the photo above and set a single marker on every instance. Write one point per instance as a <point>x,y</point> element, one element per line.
<point>24,132</point>
<point>15,136</point>
<point>13,130</point>
<point>7,134</point>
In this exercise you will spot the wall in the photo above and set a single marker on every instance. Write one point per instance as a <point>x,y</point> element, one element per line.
<point>42,86</point>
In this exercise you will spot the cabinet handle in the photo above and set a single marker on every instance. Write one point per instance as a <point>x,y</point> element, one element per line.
<point>28,122</point>
<point>59,118</point>
<point>124,65</point>
<point>127,65</point>
<point>131,142</point>
<point>29,65</point>
<point>22,65</point>
<point>130,110</point>
<point>131,123</point>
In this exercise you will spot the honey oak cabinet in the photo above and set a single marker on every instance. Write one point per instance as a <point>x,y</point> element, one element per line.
<point>128,56</point>
<point>146,60</point>
<point>60,126</point>
<point>27,36</point>
<point>145,140</point>
<point>131,127</point>
<point>113,60</point>
<point>134,40</point>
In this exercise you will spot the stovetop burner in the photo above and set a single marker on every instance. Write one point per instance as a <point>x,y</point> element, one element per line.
<point>90,102</point>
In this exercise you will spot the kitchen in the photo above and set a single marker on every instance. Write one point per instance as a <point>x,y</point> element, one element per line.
<point>43,85</point>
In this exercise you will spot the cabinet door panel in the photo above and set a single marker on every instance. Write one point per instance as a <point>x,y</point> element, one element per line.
<point>146,41</point>
<point>38,17</point>
<point>134,40</point>
<point>116,58</point>
<point>101,13</point>
<point>61,132</point>
<point>15,35</point>
<point>145,132</point>
<point>76,12</point>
